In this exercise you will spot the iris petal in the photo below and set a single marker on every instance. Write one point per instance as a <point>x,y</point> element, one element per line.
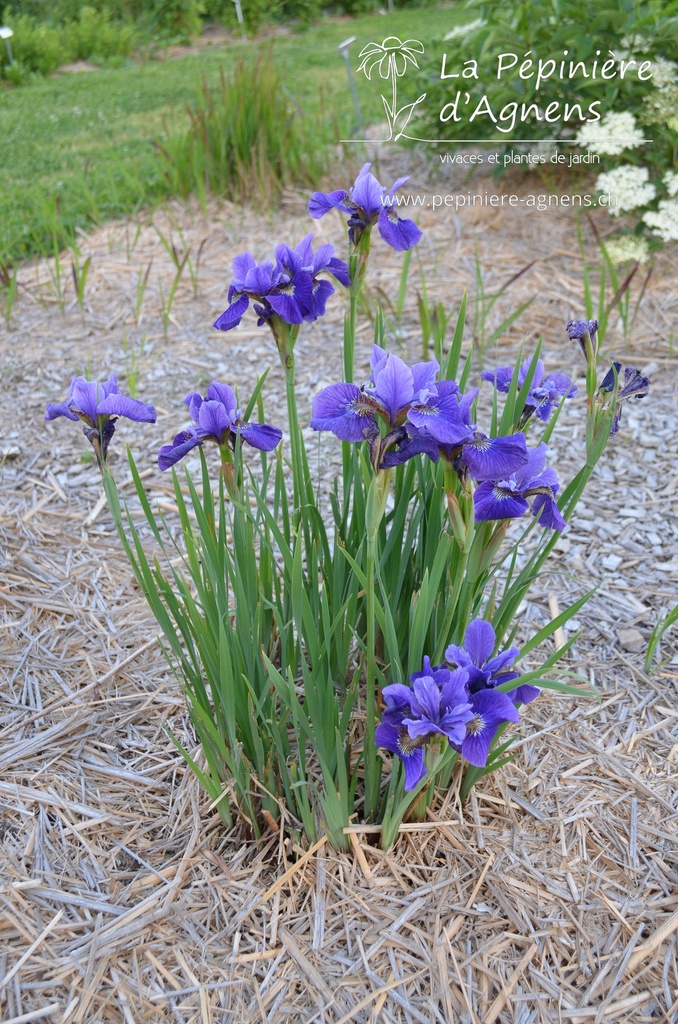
<point>398,232</point>
<point>242,264</point>
<point>495,458</point>
<point>492,501</point>
<point>183,443</point>
<point>123,405</point>
<point>213,421</point>
<point>479,641</point>
<point>344,410</point>
<point>321,203</point>
<point>367,194</point>
<point>394,385</point>
<point>548,513</point>
<point>223,393</point>
<point>63,409</point>
<point>83,398</point>
<point>261,436</point>
<point>232,316</point>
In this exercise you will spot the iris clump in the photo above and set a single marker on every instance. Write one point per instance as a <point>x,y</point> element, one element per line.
<point>295,625</point>
<point>98,406</point>
<point>367,203</point>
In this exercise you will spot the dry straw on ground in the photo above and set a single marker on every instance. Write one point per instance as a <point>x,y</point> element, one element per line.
<point>550,896</point>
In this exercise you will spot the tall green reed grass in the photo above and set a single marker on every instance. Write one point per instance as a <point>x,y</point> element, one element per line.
<point>246,139</point>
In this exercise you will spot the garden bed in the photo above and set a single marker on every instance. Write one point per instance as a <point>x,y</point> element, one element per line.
<point>549,895</point>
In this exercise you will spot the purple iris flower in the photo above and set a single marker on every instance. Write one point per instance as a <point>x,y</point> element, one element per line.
<point>544,393</point>
<point>635,386</point>
<point>467,448</point>
<point>397,739</point>
<point>367,202</point>
<point>462,704</point>
<point>484,670</point>
<point>402,397</point>
<point>444,425</point>
<point>486,458</point>
<point>437,704</point>
<point>506,498</point>
<point>578,329</point>
<point>217,418</point>
<point>302,259</point>
<point>289,288</point>
<point>98,406</point>
<point>491,708</point>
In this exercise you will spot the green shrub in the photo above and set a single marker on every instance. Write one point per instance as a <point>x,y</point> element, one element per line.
<point>305,11</point>
<point>359,6</point>
<point>16,73</point>
<point>175,19</point>
<point>258,12</point>
<point>53,12</point>
<point>40,47</point>
<point>245,140</point>
<point>222,11</point>
<point>36,45</point>
<point>94,34</point>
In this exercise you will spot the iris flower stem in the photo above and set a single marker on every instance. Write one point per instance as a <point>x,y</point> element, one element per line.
<point>302,487</point>
<point>357,262</point>
<point>300,482</point>
<point>349,343</point>
<point>465,510</point>
<point>374,513</point>
<point>451,609</point>
<point>472,574</point>
<point>372,774</point>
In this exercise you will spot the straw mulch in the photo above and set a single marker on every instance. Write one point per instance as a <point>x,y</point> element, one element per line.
<point>550,896</point>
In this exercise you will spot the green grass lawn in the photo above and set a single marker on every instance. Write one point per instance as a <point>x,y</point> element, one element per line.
<point>79,147</point>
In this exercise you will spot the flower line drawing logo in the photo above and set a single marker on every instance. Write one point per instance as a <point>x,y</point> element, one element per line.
<point>391,58</point>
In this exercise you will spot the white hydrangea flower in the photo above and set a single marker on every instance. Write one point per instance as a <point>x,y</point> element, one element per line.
<point>664,73</point>
<point>661,106</point>
<point>463,30</point>
<point>628,249</point>
<point>611,136</point>
<point>664,222</point>
<point>671,182</point>
<point>628,188</point>
<point>638,43</point>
